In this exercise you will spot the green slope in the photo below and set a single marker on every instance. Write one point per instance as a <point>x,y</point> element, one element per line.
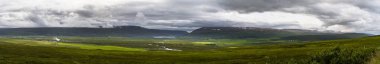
<point>350,51</point>
<point>68,45</point>
<point>267,33</point>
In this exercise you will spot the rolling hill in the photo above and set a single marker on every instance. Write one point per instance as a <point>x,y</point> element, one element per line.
<point>252,32</point>
<point>119,31</point>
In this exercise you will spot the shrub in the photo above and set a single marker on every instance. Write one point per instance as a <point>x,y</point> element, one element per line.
<point>340,55</point>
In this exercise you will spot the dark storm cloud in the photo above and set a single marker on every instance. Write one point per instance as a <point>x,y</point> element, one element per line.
<point>84,13</point>
<point>331,11</point>
<point>172,10</point>
<point>340,15</point>
<point>262,5</point>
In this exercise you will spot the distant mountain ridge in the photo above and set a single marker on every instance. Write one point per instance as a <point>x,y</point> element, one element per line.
<point>204,32</point>
<point>253,32</point>
<point>120,31</point>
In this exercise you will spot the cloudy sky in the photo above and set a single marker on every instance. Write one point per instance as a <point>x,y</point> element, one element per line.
<point>337,15</point>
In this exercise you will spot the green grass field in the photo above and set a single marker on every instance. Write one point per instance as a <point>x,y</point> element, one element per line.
<point>69,45</point>
<point>99,50</point>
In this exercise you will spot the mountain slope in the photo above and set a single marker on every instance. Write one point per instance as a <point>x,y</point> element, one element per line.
<point>238,32</point>
<point>123,31</point>
<point>325,37</point>
<point>252,32</point>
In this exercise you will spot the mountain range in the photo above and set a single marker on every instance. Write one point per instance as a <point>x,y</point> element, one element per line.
<point>204,32</point>
<point>287,34</point>
<point>119,31</point>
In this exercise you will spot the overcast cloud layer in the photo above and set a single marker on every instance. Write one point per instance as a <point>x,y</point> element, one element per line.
<point>338,15</point>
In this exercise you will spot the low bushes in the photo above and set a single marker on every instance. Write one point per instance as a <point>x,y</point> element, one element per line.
<point>341,55</point>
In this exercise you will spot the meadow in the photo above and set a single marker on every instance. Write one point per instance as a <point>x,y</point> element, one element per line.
<point>120,50</point>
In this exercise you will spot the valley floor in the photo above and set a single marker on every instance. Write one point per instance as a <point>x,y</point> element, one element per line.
<point>81,50</point>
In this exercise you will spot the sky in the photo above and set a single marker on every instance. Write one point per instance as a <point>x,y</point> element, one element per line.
<point>361,16</point>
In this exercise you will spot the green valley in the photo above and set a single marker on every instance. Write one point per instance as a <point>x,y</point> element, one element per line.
<point>119,50</point>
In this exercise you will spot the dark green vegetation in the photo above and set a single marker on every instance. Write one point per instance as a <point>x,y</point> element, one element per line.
<point>344,56</point>
<point>214,51</point>
<point>324,37</point>
<point>283,34</point>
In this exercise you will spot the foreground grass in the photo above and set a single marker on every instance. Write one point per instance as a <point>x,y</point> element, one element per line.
<point>353,51</point>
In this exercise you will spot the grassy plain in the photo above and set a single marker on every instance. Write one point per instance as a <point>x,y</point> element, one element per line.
<point>115,50</point>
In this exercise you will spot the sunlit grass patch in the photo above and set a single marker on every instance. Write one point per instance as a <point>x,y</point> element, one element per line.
<point>233,47</point>
<point>203,43</point>
<point>99,47</point>
<point>71,45</point>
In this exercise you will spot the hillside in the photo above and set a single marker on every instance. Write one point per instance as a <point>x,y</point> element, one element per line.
<point>252,32</point>
<point>325,37</point>
<point>121,31</point>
